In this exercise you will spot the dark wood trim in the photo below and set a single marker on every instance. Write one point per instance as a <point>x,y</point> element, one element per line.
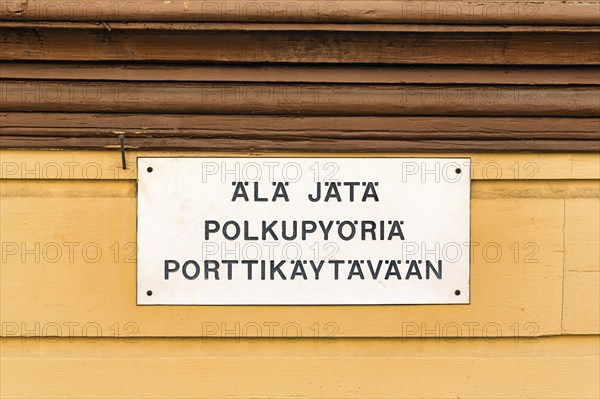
<point>372,78</point>
<point>299,99</point>
<point>296,27</point>
<point>257,127</point>
<point>389,74</point>
<point>285,133</point>
<point>50,43</point>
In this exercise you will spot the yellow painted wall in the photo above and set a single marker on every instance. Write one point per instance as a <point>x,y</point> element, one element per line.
<point>68,269</point>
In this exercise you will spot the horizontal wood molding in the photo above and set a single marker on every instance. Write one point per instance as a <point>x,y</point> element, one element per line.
<point>302,145</point>
<point>486,368</point>
<point>515,12</point>
<point>279,44</point>
<point>99,26</point>
<point>288,73</point>
<point>366,76</point>
<point>383,134</point>
<point>294,127</point>
<point>299,99</point>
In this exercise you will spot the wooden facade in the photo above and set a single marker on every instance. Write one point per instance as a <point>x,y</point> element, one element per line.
<point>512,85</point>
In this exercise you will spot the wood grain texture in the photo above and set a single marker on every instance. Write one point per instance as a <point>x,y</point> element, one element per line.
<point>294,127</point>
<point>516,274</point>
<point>275,26</point>
<point>561,367</point>
<point>280,127</point>
<point>299,99</point>
<point>308,44</point>
<point>399,74</point>
<point>446,12</point>
<point>360,134</point>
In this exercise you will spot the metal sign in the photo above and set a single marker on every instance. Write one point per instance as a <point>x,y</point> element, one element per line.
<point>294,231</point>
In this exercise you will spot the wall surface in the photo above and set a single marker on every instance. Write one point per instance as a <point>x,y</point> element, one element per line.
<point>513,86</point>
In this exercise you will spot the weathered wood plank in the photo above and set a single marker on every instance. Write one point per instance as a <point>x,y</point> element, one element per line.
<point>299,99</point>
<point>294,127</point>
<point>106,165</point>
<point>516,274</point>
<point>424,74</point>
<point>297,27</point>
<point>335,11</point>
<point>308,44</point>
<point>561,367</point>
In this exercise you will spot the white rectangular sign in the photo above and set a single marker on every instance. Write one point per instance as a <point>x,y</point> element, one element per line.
<point>293,231</point>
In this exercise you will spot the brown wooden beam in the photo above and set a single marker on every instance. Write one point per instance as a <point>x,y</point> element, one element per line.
<point>292,127</point>
<point>425,74</point>
<point>270,45</point>
<point>299,99</point>
<point>321,11</point>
